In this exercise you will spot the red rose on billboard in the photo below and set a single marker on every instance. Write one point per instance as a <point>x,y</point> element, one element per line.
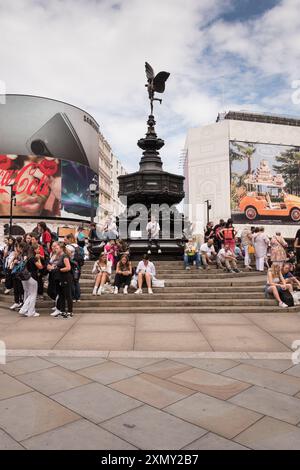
<point>48,167</point>
<point>5,162</point>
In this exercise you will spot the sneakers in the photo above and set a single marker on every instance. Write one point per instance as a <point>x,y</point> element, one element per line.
<point>150,291</point>
<point>35,314</point>
<point>125,290</point>
<point>99,291</point>
<point>283,305</point>
<point>139,291</point>
<point>55,313</point>
<point>149,252</point>
<point>7,291</point>
<point>237,271</point>
<point>95,291</point>
<point>159,251</point>
<point>15,306</point>
<point>116,290</point>
<point>188,268</point>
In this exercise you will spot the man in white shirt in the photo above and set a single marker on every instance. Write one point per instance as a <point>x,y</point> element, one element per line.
<point>153,229</point>
<point>226,256</point>
<point>208,253</point>
<point>145,271</point>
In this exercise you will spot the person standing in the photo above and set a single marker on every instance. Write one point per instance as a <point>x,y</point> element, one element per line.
<point>33,263</point>
<point>246,242</point>
<point>278,249</point>
<point>77,260</point>
<point>228,234</point>
<point>64,302</point>
<point>261,245</point>
<point>153,230</point>
<point>45,237</point>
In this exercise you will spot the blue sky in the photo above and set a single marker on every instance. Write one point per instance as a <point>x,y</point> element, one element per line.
<point>222,54</point>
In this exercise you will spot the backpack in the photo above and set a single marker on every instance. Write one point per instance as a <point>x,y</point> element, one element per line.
<point>78,257</point>
<point>21,272</point>
<point>286,297</point>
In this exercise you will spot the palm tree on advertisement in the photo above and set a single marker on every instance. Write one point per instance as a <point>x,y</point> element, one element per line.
<point>289,167</point>
<point>240,152</point>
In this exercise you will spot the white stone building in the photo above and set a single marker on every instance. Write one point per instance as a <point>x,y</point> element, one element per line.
<point>207,163</point>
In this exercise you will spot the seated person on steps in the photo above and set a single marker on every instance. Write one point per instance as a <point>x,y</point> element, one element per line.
<point>145,271</point>
<point>208,253</point>
<point>102,269</point>
<point>191,254</point>
<point>123,275</point>
<point>225,256</point>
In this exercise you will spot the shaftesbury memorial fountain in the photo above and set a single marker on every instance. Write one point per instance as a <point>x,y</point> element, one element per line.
<point>152,192</point>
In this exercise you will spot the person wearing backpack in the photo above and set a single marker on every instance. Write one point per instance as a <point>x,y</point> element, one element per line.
<point>77,261</point>
<point>228,234</point>
<point>28,273</point>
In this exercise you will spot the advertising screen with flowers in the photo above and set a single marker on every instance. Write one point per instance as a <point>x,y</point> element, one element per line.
<point>44,187</point>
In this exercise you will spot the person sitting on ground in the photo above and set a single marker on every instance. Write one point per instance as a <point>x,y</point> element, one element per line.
<point>102,269</point>
<point>276,284</point>
<point>226,256</point>
<point>191,254</point>
<point>123,275</point>
<point>145,272</point>
<point>289,276</point>
<point>208,253</point>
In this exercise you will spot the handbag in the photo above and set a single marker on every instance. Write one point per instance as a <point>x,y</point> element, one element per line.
<point>251,250</point>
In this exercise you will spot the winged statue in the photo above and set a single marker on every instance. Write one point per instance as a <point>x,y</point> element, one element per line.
<point>156,83</point>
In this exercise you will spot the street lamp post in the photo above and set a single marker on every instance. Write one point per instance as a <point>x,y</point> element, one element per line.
<point>208,208</point>
<point>12,200</point>
<point>93,193</point>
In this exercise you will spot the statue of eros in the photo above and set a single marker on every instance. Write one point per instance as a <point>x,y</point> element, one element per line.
<point>156,83</point>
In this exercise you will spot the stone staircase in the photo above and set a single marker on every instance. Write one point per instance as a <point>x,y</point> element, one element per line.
<point>195,291</point>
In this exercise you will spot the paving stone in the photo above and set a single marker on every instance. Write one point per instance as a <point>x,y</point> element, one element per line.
<point>149,428</point>
<point>270,403</point>
<point>211,365</point>
<point>108,372</point>
<point>80,435</point>
<point>294,371</point>
<point>7,443</point>
<point>136,362</point>
<point>270,434</point>
<point>54,380</point>
<point>76,363</point>
<point>240,338</point>
<point>165,322</point>
<point>96,402</point>
<point>220,319</point>
<point>213,442</point>
<point>170,341</point>
<point>215,415</point>
<point>108,319</point>
<point>208,383</point>
<point>30,414</point>
<point>165,369</point>
<point>265,378</point>
<point>276,322</point>
<point>10,387</point>
<point>152,390</point>
<point>98,337</point>
<point>24,365</point>
<point>277,365</point>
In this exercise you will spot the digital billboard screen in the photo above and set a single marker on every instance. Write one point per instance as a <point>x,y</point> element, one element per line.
<point>44,187</point>
<point>265,183</point>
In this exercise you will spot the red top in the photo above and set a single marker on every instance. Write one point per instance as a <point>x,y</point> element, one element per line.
<point>46,238</point>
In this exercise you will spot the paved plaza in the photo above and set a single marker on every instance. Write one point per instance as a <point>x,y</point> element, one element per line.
<point>149,403</point>
<point>161,381</point>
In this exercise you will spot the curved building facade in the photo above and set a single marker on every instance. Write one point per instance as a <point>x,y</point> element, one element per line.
<point>49,155</point>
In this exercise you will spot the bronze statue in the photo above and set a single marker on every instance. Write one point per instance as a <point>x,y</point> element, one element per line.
<point>156,83</point>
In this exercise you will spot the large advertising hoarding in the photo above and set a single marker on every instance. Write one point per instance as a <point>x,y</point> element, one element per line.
<point>44,187</point>
<point>49,151</point>
<point>265,183</point>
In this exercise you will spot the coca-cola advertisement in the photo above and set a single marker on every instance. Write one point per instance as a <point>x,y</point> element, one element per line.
<point>36,182</point>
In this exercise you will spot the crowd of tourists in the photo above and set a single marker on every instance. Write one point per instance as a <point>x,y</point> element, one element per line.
<point>38,263</point>
<point>253,249</point>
